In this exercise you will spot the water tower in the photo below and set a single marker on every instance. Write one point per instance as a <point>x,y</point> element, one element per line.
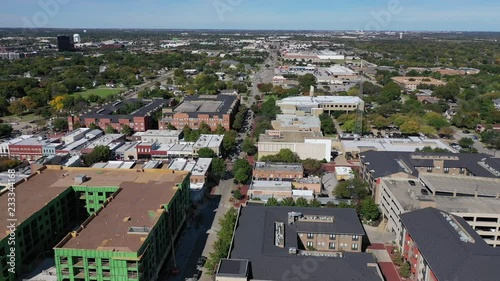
<point>76,38</point>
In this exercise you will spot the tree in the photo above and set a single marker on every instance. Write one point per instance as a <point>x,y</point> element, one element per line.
<point>351,188</point>
<point>224,237</point>
<point>206,152</point>
<point>428,130</point>
<point>446,131</point>
<point>60,125</point>
<point>218,167</point>
<point>315,203</point>
<point>287,202</point>
<point>93,126</point>
<point>379,121</point>
<point>370,210</point>
<point>100,153</point>
<point>237,194</point>
<point>311,166</point>
<point>285,155</point>
<point>327,125</point>
<point>265,88</point>
<point>171,127</point>
<point>306,81</point>
<point>272,202</point>
<point>204,129</point>
<point>229,140</point>
<point>466,142</point>
<point>109,129</point>
<point>5,130</point>
<point>242,170</point>
<point>249,147</point>
<point>436,120</point>
<point>405,270</point>
<point>410,127</point>
<point>301,202</point>
<point>349,125</point>
<point>126,130</point>
<point>16,107</point>
<point>330,204</point>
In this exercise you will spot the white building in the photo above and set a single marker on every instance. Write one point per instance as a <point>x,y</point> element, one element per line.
<point>158,136</point>
<point>306,105</point>
<point>213,142</point>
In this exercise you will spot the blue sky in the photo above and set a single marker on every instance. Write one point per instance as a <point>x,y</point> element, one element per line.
<point>464,15</point>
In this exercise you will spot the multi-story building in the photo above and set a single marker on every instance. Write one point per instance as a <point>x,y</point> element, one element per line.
<point>65,43</point>
<point>159,136</point>
<point>4,146</point>
<point>199,170</point>
<point>307,105</point>
<point>475,199</point>
<point>138,114</point>
<point>103,224</point>
<point>269,241</point>
<point>412,83</point>
<point>194,110</point>
<point>440,246</point>
<point>378,164</point>
<point>305,144</point>
<point>33,148</point>
<point>113,141</point>
<point>75,135</point>
<point>213,142</point>
<point>296,123</point>
<point>282,171</point>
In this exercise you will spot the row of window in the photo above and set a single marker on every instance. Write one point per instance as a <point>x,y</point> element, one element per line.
<point>331,245</point>
<point>332,236</point>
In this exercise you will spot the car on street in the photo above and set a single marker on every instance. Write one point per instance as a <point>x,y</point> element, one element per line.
<point>412,183</point>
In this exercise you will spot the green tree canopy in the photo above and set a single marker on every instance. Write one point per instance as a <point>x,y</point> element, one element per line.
<point>272,202</point>
<point>100,153</point>
<point>287,202</point>
<point>206,152</point>
<point>60,125</point>
<point>301,202</point>
<point>370,210</point>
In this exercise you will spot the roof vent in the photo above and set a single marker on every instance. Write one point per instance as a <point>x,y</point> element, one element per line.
<point>79,179</point>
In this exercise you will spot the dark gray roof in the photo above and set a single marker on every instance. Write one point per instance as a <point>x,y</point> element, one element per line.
<point>254,241</point>
<point>227,101</point>
<point>385,163</point>
<point>107,110</point>
<point>233,267</point>
<point>447,256</point>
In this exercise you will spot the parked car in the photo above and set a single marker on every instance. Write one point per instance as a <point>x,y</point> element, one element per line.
<point>412,183</point>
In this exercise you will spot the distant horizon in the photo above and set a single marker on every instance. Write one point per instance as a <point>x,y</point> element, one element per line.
<point>257,29</point>
<point>324,15</point>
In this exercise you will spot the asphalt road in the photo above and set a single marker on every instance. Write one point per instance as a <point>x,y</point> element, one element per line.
<point>477,144</point>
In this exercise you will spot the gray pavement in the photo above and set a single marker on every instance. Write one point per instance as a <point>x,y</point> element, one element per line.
<point>379,234</point>
<point>481,148</point>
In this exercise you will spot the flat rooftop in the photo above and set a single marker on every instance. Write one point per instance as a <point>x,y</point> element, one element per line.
<point>303,122</point>
<point>107,229</point>
<point>274,166</point>
<point>104,140</point>
<point>210,141</point>
<point>254,240</point>
<point>271,185</point>
<point>207,104</point>
<point>140,199</point>
<point>316,101</point>
<point>462,185</point>
<point>289,136</point>
<point>159,133</point>
<point>384,144</point>
<point>411,198</point>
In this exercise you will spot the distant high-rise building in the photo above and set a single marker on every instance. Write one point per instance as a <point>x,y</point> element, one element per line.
<point>401,35</point>
<point>77,39</point>
<point>65,44</point>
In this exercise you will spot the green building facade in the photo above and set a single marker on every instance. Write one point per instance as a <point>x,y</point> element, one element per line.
<point>37,236</point>
<point>145,264</point>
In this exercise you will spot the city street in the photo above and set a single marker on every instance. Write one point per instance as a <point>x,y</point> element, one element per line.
<point>200,234</point>
<point>477,144</point>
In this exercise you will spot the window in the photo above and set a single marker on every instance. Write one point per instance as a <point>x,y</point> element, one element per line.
<point>355,237</point>
<point>310,235</point>
<point>310,244</point>
<point>429,169</point>
<point>332,236</point>
<point>446,170</point>
<point>331,246</point>
<point>354,246</point>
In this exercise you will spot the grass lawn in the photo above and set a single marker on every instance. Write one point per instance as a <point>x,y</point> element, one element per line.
<point>101,92</point>
<point>24,118</point>
<point>267,97</point>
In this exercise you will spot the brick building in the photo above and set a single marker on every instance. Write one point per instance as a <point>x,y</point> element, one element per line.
<point>270,241</point>
<point>117,115</point>
<point>197,109</point>
<point>440,246</point>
